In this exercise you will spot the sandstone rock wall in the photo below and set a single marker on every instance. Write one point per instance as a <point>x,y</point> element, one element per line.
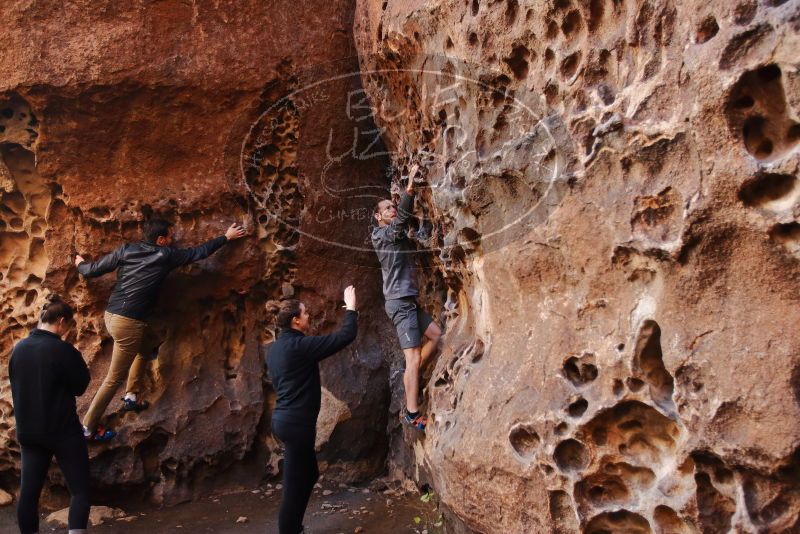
<point>614,221</point>
<point>111,112</point>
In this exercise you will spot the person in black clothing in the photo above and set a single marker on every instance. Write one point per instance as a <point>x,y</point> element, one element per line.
<point>141,268</point>
<point>293,366</point>
<point>46,375</point>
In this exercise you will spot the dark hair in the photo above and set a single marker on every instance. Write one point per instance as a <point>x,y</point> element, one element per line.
<point>285,311</point>
<point>377,208</point>
<point>155,228</point>
<point>55,309</point>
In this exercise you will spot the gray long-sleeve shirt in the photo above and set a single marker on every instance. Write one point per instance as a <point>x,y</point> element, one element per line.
<point>394,250</point>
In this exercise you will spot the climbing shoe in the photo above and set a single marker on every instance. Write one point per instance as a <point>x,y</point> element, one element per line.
<point>101,435</point>
<point>130,405</point>
<point>419,421</point>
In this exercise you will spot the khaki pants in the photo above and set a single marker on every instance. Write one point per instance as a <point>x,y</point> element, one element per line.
<point>133,340</point>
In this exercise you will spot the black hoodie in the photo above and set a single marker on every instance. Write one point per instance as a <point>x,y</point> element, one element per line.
<point>293,366</point>
<point>46,375</point>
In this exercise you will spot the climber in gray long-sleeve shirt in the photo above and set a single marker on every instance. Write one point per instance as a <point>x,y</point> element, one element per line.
<point>393,247</point>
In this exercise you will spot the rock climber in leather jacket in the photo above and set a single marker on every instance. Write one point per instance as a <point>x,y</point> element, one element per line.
<point>141,268</point>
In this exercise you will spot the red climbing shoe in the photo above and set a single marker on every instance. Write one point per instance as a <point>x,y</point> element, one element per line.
<point>419,422</point>
<point>101,435</point>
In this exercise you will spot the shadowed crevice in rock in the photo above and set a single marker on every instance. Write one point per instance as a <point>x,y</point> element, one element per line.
<point>649,360</point>
<point>796,383</point>
<point>715,510</point>
<point>772,191</point>
<point>706,30</point>
<point>580,371</point>
<point>571,455</point>
<point>618,521</point>
<point>562,514</point>
<point>524,440</point>
<point>667,520</point>
<point>630,444</point>
<point>788,236</point>
<point>758,108</point>
<point>772,499</point>
<point>578,407</point>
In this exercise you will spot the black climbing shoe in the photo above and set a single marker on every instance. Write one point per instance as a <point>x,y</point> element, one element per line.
<point>129,405</point>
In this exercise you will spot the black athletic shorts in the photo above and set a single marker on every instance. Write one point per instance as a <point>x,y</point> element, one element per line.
<point>409,319</point>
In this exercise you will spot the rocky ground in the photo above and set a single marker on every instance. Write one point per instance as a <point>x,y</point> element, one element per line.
<point>333,509</point>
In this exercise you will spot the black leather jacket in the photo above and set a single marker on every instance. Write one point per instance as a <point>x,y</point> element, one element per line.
<point>141,269</point>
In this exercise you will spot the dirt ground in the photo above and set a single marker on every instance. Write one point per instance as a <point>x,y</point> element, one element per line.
<point>332,510</point>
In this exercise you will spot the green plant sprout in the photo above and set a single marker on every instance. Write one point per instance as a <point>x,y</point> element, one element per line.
<point>432,521</point>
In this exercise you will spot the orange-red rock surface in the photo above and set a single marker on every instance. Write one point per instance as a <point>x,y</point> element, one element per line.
<point>111,112</point>
<point>614,208</point>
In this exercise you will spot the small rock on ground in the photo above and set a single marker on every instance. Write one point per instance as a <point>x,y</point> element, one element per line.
<point>97,516</point>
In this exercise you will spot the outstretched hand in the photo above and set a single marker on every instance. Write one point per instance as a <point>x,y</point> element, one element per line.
<point>234,232</point>
<point>78,259</point>
<point>412,173</point>
<point>350,298</point>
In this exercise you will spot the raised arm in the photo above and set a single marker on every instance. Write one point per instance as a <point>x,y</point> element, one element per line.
<point>106,264</point>
<point>321,347</point>
<point>399,226</point>
<point>184,256</point>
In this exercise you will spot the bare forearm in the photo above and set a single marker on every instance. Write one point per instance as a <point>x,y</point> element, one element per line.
<point>412,174</point>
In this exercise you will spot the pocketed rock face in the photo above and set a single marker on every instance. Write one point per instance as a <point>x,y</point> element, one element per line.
<point>621,357</point>
<point>110,113</point>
